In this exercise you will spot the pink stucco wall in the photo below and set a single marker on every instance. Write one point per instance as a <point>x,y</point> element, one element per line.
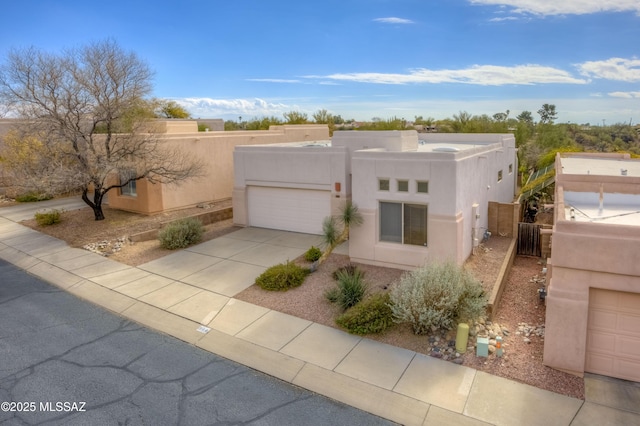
<point>585,255</point>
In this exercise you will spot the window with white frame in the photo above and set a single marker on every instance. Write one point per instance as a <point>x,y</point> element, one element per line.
<point>403,186</point>
<point>130,187</point>
<point>499,175</point>
<point>422,187</point>
<point>403,223</point>
<point>383,184</point>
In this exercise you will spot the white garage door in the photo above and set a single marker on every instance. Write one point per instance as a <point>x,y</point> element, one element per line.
<point>613,334</point>
<point>298,210</point>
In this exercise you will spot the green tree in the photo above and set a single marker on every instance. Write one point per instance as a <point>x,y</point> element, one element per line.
<point>460,121</point>
<point>171,109</point>
<point>547,114</point>
<point>81,105</point>
<point>295,117</point>
<point>525,117</point>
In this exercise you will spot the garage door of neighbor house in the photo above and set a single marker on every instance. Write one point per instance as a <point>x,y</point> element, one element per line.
<point>613,334</point>
<point>298,210</point>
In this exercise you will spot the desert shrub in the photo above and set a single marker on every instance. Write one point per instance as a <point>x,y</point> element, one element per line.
<point>349,269</point>
<point>350,288</point>
<point>372,315</point>
<point>47,218</point>
<point>282,276</point>
<point>312,254</point>
<point>31,197</point>
<point>437,296</point>
<point>181,233</point>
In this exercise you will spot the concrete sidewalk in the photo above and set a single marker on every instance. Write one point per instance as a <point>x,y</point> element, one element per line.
<point>189,295</point>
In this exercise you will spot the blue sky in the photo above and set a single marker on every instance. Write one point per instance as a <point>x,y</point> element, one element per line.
<point>363,58</point>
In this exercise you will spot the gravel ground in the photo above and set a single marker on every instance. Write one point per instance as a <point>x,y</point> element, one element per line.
<point>519,305</point>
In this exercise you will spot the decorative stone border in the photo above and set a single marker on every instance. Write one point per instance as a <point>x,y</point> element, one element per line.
<point>206,218</point>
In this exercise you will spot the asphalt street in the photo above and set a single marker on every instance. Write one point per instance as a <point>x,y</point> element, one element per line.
<point>65,361</point>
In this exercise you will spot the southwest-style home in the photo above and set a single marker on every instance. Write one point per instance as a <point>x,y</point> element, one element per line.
<point>593,300</point>
<point>421,199</point>
<point>215,148</point>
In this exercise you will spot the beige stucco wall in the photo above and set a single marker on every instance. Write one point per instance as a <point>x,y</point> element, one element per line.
<point>585,255</point>
<point>216,150</point>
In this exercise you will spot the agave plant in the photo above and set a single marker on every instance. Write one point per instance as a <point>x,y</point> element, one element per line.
<point>332,235</point>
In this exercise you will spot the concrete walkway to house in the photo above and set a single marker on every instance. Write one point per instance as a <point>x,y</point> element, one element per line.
<point>189,295</point>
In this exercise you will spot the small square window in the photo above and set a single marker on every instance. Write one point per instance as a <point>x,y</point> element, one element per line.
<point>510,168</point>
<point>403,186</point>
<point>383,184</point>
<point>128,183</point>
<point>499,175</point>
<point>423,187</point>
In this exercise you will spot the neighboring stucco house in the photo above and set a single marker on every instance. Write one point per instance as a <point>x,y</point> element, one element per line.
<point>593,300</point>
<point>421,199</point>
<point>215,148</point>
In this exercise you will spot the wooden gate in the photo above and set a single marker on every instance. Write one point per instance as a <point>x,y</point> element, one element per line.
<point>529,239</point>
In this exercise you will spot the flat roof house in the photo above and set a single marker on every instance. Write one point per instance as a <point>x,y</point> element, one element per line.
<point>215,149</point>
<point>593,300</point>
<point>421,199</point>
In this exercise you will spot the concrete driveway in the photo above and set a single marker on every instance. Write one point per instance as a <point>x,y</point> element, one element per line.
<point>229,264</point>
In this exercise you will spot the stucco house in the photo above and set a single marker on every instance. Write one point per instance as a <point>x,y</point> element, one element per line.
<point>593,275</point>
<point>215,148</point>
<point>421,199</point>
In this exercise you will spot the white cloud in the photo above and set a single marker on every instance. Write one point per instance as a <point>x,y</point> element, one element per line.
<point>393,20</point>
<point>564,7</point>
<point>618,69</point>
<point>213,108</point>
<point>484,75</point>
<point>624,95</point>
<point>506,18</point>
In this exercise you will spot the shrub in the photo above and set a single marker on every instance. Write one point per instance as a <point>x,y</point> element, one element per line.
<point>282,277</point>
<point>31,197</point>
<point>350,289</point>
<point>181,233</point>
<point>48,218</point>
<point>437,296</point>
<point>312,254</point>
<point>349,269</point>
<point>372,315</point>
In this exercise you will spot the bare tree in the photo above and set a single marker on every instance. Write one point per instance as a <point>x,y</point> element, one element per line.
<point>87,122</point>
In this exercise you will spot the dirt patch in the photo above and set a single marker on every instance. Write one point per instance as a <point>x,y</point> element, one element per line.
<point>79,229</point>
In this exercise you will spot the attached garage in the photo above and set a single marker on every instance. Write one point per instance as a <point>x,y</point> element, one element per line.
<point>288,209</point>
<point>613,334</point>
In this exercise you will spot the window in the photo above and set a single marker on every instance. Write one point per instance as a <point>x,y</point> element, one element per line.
<point>383,184</point>
<point>499,175</point>
<point>129,188</point>
<point>403,186</point>
<point>423,187</point>
<point>510,168</point>
<point>403,223</point>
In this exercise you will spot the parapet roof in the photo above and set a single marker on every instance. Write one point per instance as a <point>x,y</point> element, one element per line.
<point>600,166</point>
